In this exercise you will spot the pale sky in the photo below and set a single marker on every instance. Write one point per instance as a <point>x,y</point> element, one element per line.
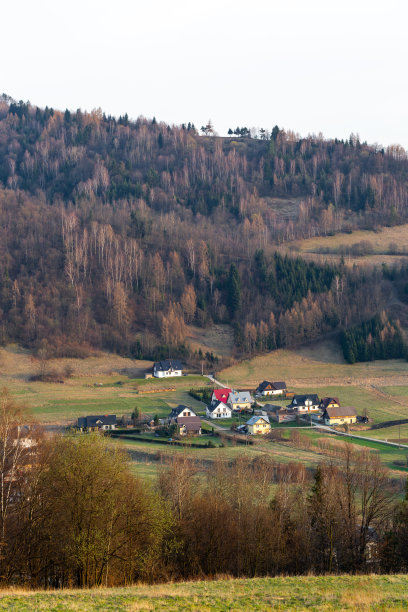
<point>312,66</point>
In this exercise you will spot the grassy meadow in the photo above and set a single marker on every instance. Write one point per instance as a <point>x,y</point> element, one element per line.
<point>111,384</point>
<point>256,594</point>
<point>389,245</point>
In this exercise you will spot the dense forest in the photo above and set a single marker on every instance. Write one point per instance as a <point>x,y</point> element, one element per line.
<point>118,234</point>
<point>378,338</point>
<point>74,514</point>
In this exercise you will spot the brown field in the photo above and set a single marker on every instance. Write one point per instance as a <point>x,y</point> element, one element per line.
<point>218,339</point>
<point>18,363</point>
<point>310,248</point>
<point>319,364</point>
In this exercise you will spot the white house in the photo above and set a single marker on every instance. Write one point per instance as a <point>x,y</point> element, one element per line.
<point>218,410</point>
<point>303,404</point>
<point>271,388</point>
<point>168,367</point>
<point>181,412</point>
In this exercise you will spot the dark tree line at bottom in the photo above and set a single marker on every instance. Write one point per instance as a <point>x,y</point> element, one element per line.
<point>73,514</point>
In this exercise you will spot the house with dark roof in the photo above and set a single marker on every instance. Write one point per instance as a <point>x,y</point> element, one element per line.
<point>188,423</point>
<point>218,410</point>
<point>168,367</point>
<point>338,415</point>
<point>97,422</point>
<point>271,388</point>
<point>329,402</point>
<point>303,404</point>
<point>180,411</point>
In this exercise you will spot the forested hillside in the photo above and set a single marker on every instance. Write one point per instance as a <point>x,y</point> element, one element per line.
<point>118,233</point>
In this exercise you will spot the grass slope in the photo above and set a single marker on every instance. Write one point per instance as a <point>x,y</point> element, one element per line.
<point>295,593</point>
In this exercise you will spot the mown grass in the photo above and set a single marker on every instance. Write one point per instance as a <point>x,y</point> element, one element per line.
<point>62,403</point>
<point>257,594</point>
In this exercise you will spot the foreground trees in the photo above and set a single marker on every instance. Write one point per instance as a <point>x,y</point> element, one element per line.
<point>73,514</point>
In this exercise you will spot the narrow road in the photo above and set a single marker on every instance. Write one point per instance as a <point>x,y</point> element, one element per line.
<point>341,433</point>
<point>214,380</point>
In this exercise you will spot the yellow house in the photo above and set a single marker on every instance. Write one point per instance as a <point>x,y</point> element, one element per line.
<point>258,425</point>
<point>339,415</point>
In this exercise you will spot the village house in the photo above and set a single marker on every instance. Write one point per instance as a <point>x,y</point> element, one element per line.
<point>303,404</point>
<point>220,395</point>
<point>271,388</point>
<point>329,402</point>
<point>279,413</point>
<point>188,423</point>
<point>338,415</point>
<point>240,400</point>
<point>168,367</point>
<point>189,426</point>
<point>218,410</point>
<point>97,422</point>
<point>258,424</point>
<point>180,411</point>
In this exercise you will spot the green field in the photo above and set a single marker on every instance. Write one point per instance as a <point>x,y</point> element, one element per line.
<point>63,403</point>
<point>257,594</point>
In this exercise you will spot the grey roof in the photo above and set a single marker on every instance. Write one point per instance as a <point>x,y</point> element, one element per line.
<point>97,420</point>
<point>340,411</point>
<point>168,364</point>
<point>240,397</point>
<point>190,423</point>
<point>256,418</point>
<point>271,407</point>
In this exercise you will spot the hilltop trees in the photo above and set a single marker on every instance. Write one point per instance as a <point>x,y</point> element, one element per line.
<point>117,234</point>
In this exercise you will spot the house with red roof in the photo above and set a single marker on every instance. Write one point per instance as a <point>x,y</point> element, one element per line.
<point>220,395</point>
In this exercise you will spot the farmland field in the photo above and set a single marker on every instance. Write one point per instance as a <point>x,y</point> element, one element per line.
<point>109,384</point>
<point>281,593</point>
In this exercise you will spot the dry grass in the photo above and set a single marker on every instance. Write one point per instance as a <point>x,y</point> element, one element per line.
<point>287,593</point>
<point>18,363</point>
<point>218,339</point>
<point>321,364</point>
<point>380,240</point>
<point>310,248</point>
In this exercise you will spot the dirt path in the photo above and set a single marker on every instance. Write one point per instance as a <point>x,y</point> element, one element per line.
<point>342,433</point>
<point>216,426</point>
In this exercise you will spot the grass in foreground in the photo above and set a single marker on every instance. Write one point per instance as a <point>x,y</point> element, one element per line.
<point>295,593</point>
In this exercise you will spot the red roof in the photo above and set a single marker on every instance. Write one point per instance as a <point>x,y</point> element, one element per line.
<point>222,394</point>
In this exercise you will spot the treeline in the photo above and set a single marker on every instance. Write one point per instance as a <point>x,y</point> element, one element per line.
<point>73,514</point>
<point>378,338</point>
<point>119,234</point>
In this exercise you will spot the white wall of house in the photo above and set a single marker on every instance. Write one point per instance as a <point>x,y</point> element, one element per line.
<point>161,374</point>
<point>220,412</point>
<point>187,412</point>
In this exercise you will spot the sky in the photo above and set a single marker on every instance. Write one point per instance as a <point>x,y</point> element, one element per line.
<point>311,66</point>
